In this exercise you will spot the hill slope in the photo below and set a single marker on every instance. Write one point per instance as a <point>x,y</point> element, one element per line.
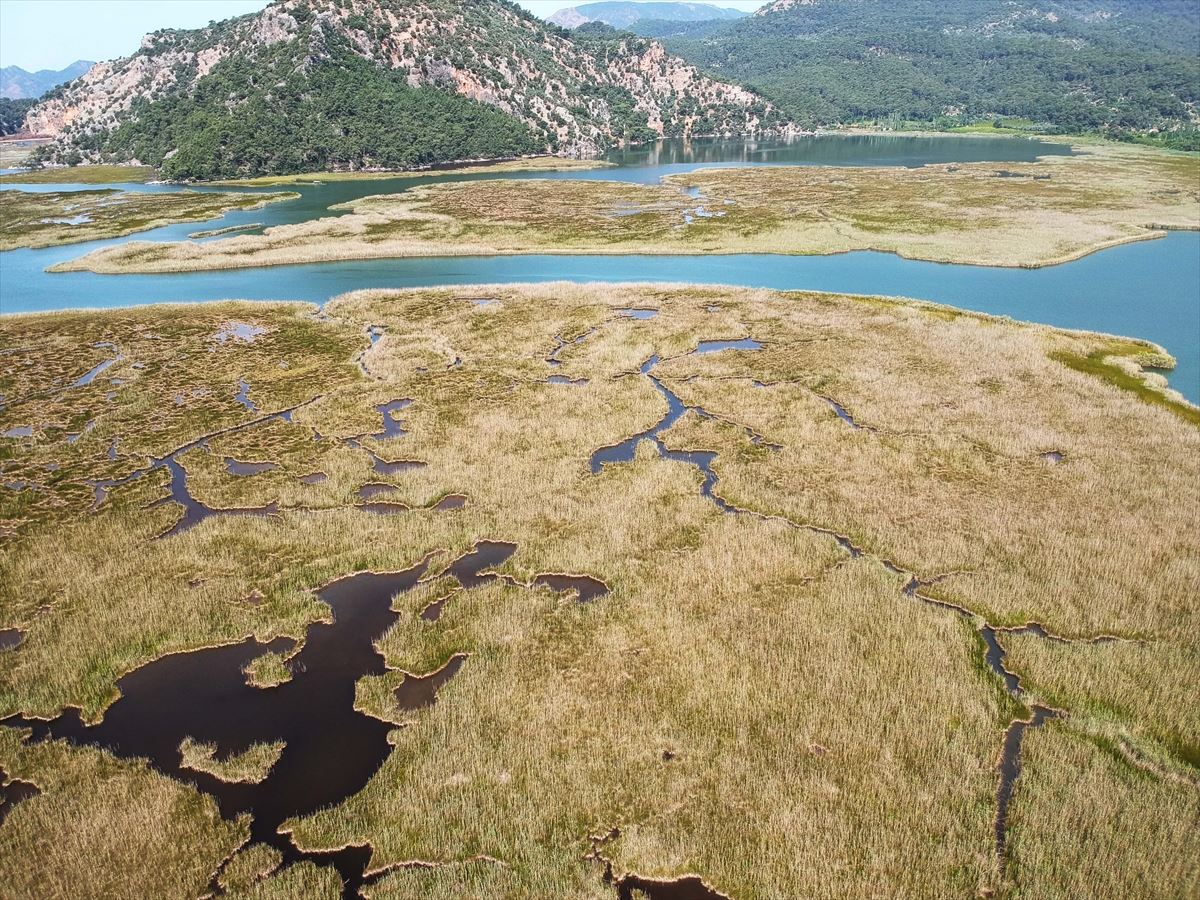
<point>314,84</point>
<point>12,115</point>
<point>1074,66</point>
<point>18,84</point>
<point>622,13</point>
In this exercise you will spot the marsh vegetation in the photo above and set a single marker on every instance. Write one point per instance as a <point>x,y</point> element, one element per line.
<point>81,175</point>
<point>525,164</point>
<point>1018,214</point>
<point>46,219</point>
<point>800,690</point>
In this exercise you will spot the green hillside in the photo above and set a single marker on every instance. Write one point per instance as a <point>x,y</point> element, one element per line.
<point>1115,66</point>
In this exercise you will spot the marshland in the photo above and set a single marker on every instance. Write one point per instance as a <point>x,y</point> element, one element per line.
<point>46,219</point>
<point>653,452</point>
<point>776,649</point>
<point>1022,214</point>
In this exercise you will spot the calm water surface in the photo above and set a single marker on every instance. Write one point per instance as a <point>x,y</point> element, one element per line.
<point>1148,290</point>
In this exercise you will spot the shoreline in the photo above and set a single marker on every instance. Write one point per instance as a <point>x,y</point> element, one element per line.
<point>538,163</point>
<point>1035,215</point>
<point>1169,394</point>
<point>1151,233</point>
<point>132,212</point>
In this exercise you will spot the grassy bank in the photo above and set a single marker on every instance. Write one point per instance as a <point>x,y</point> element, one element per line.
<point>82,175</point>
<point>1015,214</point>
<point>749,703</point>
<point>71,217</point>
<point>532,164</point>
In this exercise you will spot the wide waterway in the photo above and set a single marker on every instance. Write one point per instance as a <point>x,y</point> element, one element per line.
<point>1149,289</point>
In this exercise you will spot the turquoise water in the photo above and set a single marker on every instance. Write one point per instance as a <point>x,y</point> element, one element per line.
<point>1149,290</point>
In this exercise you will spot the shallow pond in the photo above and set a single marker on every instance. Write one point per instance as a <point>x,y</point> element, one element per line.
<point>331,748</point>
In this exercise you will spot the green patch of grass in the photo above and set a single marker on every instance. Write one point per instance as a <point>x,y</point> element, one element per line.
<point>268,671</point>
<point>83,175</point>
<point>1096,364</point>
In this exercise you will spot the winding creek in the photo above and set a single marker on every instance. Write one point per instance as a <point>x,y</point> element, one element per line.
<point>331,749</point>
<point>1008,765</point>
<point>1149,289</point>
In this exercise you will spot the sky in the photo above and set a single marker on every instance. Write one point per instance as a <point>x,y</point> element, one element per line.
<point>52,34</point>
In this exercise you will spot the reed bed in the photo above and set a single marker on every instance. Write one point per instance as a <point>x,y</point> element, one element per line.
<point>72,217</point>
<point>1019,214</point>
<point>749,703</point>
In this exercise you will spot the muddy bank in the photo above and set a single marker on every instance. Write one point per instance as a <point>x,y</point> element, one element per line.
<point>12,792</point>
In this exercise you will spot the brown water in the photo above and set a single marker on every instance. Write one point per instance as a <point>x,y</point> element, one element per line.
<point>844,415</point>
<point>12,792</point>
<point>331,750</point>
<point>585,587</point>
<point>625,450</point>
<point>96,371</point>
<point>560,344</point>
<point>243,395</point>
<point>194,511</point>
<point>373,490</point>
<point>689,887</point>
<point>10,638</point>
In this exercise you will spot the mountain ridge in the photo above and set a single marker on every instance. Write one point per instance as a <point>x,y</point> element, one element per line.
<point>20,84</point>
<point>286,71</point>
<point>622,14</point>
<point>1113,66</point>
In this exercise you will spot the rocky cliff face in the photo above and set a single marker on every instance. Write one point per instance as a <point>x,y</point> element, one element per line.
<point>576,94</point>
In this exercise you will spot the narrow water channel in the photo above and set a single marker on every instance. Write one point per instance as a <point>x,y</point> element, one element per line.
<point>331,750</point>
<point>1009,764</point>
<point>1103,292</point>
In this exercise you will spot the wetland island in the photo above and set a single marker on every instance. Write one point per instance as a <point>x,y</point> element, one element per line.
<point>451,453</point>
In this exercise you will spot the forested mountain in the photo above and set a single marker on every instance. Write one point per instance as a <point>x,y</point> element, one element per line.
<point>623,13</point>
<point>314,84</point>
<point>1068,65</point>
<point>17,84</point>
<point>12,114</point>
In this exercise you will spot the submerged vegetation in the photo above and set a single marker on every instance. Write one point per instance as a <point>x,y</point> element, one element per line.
<point>1021,214</point>
<point>36,219</point>
<point>790,686</point>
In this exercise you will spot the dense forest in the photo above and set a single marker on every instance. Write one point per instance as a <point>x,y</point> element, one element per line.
<point>343,113</point>
<point>1120,67</point>
<point>12,114</point>
<point>309,85</point>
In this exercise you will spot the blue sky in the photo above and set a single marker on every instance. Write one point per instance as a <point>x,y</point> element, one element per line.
<point>51,34</point>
